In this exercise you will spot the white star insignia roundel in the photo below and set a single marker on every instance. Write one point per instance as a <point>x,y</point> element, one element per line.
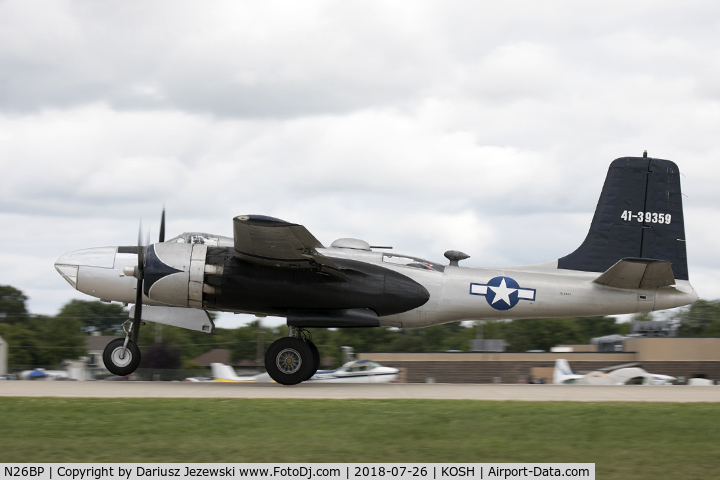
<point>502,293</point>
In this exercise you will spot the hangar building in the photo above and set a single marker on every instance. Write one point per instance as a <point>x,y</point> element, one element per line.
<point>683,358</point>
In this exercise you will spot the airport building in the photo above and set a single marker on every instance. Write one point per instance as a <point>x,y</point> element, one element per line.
<point>680,357</point>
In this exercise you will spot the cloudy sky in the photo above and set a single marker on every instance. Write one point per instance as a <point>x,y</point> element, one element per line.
<point>485,127</point>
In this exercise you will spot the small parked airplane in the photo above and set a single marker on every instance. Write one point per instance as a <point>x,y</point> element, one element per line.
<point>619,375</point>
<point>632,260</point>
<point>42,374</point>
<point>356,371</point>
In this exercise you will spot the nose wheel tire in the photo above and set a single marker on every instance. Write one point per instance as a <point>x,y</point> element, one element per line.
<point>289,361</point>
<point>121,360</point>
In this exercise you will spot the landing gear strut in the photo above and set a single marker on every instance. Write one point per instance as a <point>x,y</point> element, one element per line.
<point>292,359</point>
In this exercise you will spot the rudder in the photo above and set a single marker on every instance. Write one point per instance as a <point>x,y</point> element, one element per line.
<point>223,373</point>
<point>639,215</point>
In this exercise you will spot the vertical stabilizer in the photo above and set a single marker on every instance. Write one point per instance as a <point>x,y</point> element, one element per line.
<point>639,215</point>
<point>223,373</point>
<point>562,372</point>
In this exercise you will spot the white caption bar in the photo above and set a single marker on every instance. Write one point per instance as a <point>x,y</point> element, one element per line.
<point>261,471</point>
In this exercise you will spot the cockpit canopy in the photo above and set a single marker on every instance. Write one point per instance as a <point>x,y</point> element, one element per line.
<point>202,238</point>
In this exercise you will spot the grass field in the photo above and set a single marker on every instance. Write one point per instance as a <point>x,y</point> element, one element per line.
<point>624,440</point>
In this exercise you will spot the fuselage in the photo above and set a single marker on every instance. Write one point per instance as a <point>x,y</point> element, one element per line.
<point>403,291</point>
<point>465,293</point>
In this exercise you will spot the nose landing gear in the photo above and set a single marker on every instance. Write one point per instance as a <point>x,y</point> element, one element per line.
<point>122,355</point>
<point>121,359</point>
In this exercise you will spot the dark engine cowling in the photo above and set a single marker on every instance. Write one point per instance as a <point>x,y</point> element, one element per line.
<point>198,276</point>
<point>243,286</point>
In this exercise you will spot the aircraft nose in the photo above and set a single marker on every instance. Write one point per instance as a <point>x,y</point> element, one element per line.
<point>68,265</point>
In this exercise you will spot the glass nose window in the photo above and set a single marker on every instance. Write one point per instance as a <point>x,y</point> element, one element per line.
<point>69,273</point>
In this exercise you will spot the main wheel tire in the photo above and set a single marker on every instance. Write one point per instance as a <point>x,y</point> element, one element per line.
<point>121,361</point>
<point>289,361</point>
<point>316,358</point>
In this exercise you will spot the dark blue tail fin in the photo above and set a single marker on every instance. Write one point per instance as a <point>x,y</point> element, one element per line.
<point>639,215</point>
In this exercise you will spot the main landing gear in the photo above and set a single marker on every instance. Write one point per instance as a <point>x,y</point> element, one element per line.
<point>292,359</point>
<point>122,355</point>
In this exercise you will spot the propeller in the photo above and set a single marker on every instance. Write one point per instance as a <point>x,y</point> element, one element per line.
<point>139,273</point>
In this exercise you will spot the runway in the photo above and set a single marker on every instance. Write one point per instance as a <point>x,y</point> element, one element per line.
<point>504,392</point>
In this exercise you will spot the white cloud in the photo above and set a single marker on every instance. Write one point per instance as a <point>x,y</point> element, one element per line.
<point>432,126</point>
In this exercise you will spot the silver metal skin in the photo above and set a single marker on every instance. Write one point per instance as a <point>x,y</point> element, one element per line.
<point>104,272</point>
<point>558,293</point>
<point>99,272</point>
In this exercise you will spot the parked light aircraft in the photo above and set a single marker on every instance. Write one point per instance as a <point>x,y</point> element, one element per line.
<point>356,371</point>
<point>632,260</point>
<point>608,376</point>
<point>42,374</point>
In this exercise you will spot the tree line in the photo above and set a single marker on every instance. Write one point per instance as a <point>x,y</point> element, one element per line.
<point>40,340</point>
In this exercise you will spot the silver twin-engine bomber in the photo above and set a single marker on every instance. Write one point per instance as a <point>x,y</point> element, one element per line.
<point>632,260</point>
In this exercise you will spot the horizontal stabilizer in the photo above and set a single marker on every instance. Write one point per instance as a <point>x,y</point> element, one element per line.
<point>638,273</point>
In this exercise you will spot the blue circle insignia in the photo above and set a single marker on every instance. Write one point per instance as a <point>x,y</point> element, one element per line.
<point>502,293</point>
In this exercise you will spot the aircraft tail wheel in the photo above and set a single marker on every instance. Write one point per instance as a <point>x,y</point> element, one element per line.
<point>120,360</point>
<point>289,361</point>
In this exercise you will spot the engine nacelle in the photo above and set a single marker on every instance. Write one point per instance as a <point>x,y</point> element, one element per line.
<point>174,274</point>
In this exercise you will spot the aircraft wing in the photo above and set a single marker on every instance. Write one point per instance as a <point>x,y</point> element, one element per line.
<point>638,273</point>
<point>273,242</point>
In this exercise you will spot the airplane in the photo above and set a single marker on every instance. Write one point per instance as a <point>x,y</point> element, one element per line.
<point>356,371</point>
<point>700,382</point>
<point>42,374</point>
<point>618,375</point>
<point>632,260</point>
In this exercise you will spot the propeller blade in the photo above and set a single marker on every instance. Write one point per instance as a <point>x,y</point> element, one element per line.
<point>162,225</point>
<point>138,312</point>
<point>137,319</point>
<point>141,254</point>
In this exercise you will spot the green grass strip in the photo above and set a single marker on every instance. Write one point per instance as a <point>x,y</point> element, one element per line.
<point>624,440</point>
